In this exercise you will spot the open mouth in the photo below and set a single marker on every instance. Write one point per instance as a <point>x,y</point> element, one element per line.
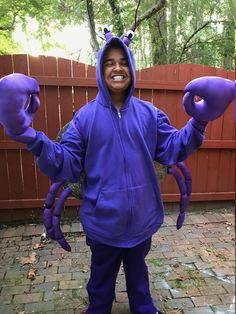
<point>118,77</point>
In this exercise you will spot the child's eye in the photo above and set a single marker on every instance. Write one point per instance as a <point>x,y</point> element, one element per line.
<point>109,63</point>
<point>125,63</point>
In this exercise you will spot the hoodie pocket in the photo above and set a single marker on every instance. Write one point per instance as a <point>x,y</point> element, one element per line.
<point>145,209</point>
<point>112,212</point>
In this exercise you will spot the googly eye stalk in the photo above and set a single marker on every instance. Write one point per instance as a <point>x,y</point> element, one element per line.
<point>107,32</point>
<point>128,37</point>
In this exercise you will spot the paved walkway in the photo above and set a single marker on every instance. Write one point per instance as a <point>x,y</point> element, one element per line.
<point>191,270</point>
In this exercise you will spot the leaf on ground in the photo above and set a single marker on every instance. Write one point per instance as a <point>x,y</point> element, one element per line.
<point>86,268</point>
<point>28,260</point>
<point>32,274</point>
<point>178,311</point>
<point>164,298</point>
<point>38,246</point>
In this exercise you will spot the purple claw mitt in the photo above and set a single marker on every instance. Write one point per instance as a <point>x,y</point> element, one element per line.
<point>15,91</point>
<point>216,93</point>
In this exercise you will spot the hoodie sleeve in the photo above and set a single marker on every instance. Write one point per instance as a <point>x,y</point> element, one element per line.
<point>60,161</point>
<point>176,145</point>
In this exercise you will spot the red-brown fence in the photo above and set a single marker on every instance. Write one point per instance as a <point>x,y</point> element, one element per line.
<point>67,85</point>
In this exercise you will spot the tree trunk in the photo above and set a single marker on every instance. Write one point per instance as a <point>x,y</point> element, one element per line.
<point>158,30</point>
<point>91,22</point>
<point>227,49</point>
<point>172,32</point>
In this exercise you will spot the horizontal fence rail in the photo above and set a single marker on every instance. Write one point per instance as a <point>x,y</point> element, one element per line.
<point>66,85</point>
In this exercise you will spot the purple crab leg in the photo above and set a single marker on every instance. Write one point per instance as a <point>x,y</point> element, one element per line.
<point>59,237</point>
<point>187,176</point>
<point>188,184</point>
<point>48,209</point>
<point>184,200</point>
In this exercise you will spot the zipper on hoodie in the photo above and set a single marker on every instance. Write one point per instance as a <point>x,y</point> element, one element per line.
<point>117,114</point>
<point>130,197</point>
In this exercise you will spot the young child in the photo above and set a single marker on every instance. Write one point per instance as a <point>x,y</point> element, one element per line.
<point>113,140</point>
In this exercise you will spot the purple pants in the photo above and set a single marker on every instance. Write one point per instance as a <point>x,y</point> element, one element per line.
<point>105,265</point>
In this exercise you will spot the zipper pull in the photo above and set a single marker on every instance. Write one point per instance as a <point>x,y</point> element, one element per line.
<point>119,114</point>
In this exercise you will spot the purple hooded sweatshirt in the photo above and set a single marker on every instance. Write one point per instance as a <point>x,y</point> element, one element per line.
<point>122,204</point>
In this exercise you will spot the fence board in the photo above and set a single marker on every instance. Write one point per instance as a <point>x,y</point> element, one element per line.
<point>226,166</point>
<point>65,92</point>
<point>5,185</point>
<point>213,170</point>
<point>78,71</point>
<point>52,113</point>
<point>146,94</point>
<point>15,174</point>
<point>169,186</point>
<point>28,176</point>
<point>6,67</point>
<point>185,72</point>
<point>65,86</point>
<point>202,165</point>
<point>91,91</point>
<point>20,64</point>
<point>181,116</point>
<point>36,66</point>
<point>228,128</point>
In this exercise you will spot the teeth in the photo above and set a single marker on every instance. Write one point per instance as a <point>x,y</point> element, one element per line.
<point>118,77</point>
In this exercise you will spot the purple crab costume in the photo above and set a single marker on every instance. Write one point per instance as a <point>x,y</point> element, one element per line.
<point>122,207</point>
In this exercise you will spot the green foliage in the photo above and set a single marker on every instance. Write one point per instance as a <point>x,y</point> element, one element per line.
<point>155,262</point>
<point>7,45</point>
<point>49,15</point>
<point>197,31</point>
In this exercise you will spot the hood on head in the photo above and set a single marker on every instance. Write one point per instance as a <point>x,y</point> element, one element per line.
<point>102,87</point>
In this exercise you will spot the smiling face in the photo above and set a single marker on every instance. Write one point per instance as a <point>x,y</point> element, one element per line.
<point>116,71</point>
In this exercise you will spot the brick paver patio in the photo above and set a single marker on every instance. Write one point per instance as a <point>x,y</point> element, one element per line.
<point>192,270</point>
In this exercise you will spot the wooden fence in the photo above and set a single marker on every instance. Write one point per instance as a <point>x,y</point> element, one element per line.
<point>66,85</point>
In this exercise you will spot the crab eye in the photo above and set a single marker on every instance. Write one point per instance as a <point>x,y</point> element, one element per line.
<point>130,34</point>
<point>107,32</point>
<point>107,29</point>
<point>128,37</point>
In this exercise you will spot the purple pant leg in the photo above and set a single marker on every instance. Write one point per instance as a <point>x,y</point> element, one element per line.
<point>137,281</point>
<point>105,264</point>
